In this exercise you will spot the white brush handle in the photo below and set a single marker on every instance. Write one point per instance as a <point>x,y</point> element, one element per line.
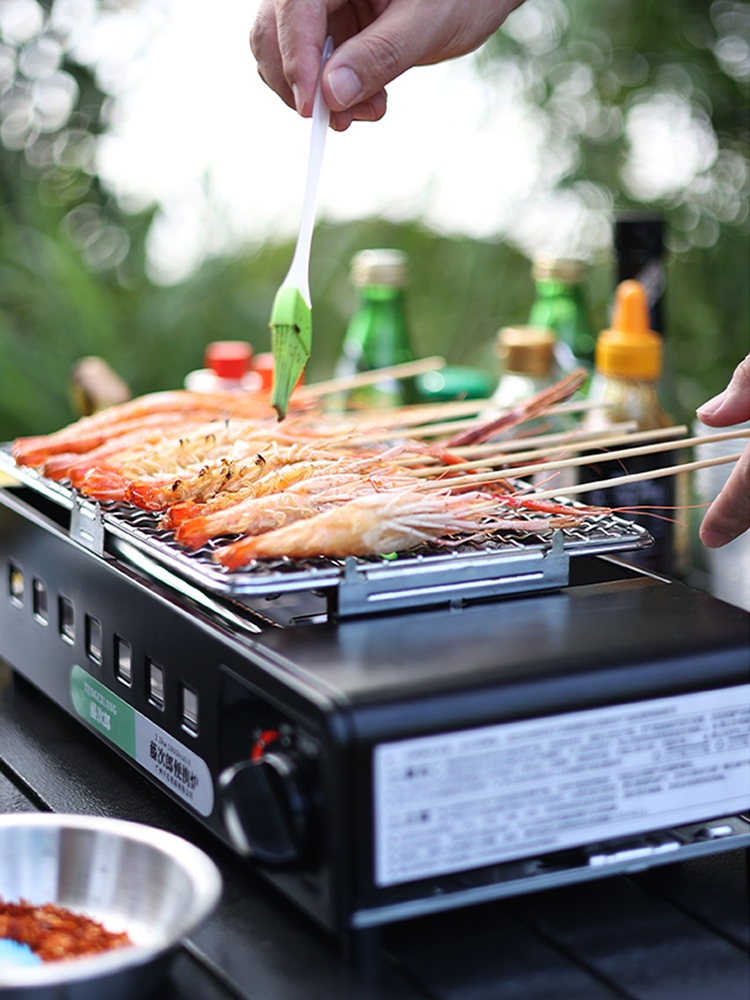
<point>298,275</point>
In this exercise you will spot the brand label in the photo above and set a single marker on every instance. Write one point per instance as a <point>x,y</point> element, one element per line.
<point>173,764</point>
<point>478,797</point>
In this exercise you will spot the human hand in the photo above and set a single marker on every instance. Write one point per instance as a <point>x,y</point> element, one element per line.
<point>729,514</point>
<point>376,41</point>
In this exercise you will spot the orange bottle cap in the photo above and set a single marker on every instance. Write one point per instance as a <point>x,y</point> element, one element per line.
<point>264,365</point>
<point>630,349</point>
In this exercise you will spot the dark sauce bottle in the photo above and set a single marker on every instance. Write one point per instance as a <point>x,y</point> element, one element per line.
<point>628,363</point>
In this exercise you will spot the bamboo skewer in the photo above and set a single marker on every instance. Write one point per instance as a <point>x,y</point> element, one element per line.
<point>406,370</point>
<point>637,477</point>
<point>541,443</point>
<point>592,443</point>
<point>417,413</point>
<point>538,467</point>
<point>555,437</point>
<point>410,369</point>
<point>425,414</point>
<point>450,426</point>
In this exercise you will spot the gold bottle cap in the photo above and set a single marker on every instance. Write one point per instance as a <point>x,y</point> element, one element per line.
<point>564,270</point>
<point>630,348</point>
<point>95,386</point>
<point>526,349</point>
<point>380,267</point>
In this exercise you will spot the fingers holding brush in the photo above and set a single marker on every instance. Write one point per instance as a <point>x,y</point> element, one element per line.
<point>288,54</point>
<point>287,41</point>
<point>376,41</point>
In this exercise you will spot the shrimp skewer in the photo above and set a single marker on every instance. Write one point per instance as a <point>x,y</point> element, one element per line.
<point>271,472</point>
<point>188,467</point>
<point>224,477</point>
<point>154,410</point>
<point>393,521</point>
<point>36,451</point>
<point>74,465</point>
<point>232,441</point>
<point>186,509</point>
<point>257,514</point>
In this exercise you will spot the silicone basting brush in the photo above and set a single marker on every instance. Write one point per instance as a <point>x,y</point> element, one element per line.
<point>291,316</point>
<point>16,953</point>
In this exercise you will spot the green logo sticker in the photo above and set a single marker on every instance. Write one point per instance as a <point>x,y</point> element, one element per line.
<point>102,709</point>
<point>169,761</point>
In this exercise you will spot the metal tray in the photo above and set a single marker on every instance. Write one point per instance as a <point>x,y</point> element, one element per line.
<point>513,563</point>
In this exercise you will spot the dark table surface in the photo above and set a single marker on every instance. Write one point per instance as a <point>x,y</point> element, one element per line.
<point>680,931</point>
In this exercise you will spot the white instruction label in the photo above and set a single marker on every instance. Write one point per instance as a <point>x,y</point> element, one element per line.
<point>173,764</point>
<point>478,797</point>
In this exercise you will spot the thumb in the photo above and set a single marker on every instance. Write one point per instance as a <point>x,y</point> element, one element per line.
<point>732,406</point>
<point>362,66</point>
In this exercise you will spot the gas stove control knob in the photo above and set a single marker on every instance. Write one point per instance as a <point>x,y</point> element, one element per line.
<point>265,810</point>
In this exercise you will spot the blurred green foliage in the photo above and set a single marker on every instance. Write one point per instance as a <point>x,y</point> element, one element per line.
<point>73,269</point>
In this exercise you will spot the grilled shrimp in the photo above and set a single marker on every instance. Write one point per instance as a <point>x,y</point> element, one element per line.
<point>159,494</point>
<point>252,517</point>
<point>161,409</point>
<point>270,471</point>
<point>76,439</point>
<point>182,511</point>
<point>74,466</point>
<point>379,522</point>
<point>102,483</point>
<point>229,441</point>
<point>198,473</point>
<point>256,514</point>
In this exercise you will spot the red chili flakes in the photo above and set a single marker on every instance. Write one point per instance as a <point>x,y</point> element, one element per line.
<point>55,933</point>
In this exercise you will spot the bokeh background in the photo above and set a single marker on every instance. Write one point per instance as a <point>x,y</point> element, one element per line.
<point>150,186</point>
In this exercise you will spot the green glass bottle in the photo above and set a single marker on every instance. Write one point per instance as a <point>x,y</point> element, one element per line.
<point>561,305</point>
<point>377,335</point>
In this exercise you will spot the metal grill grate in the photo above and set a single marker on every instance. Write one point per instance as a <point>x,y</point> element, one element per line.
<point>493,558</point>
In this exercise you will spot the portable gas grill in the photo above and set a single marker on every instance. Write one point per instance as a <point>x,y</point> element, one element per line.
<point>388,737</point>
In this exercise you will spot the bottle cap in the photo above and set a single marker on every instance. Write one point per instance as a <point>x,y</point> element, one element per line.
<point>263,365</point>
<point>94,385</point>
<point>380,267</point>
<point>228,358</point>
<point>564,270</point>
<point>630,348</point>
<point>527,349</point>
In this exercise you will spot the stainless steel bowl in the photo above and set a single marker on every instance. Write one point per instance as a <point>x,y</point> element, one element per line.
<point>130,877</point>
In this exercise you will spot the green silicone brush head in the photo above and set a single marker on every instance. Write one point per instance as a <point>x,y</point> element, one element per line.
<point>291,342</point>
